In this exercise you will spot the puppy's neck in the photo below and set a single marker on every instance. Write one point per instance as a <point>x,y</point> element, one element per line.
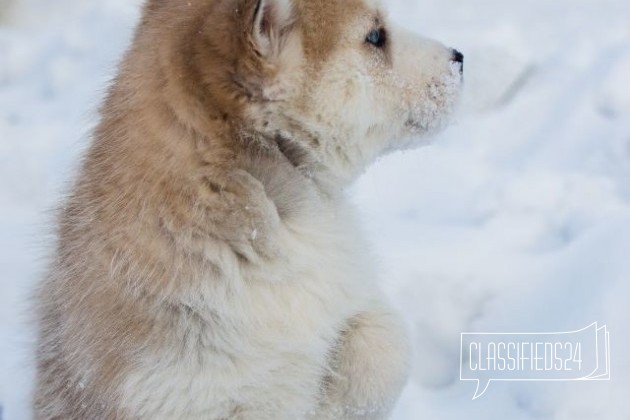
<point>291,154</point>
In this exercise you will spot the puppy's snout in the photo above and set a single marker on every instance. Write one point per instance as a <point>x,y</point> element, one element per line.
<point>458,57</point>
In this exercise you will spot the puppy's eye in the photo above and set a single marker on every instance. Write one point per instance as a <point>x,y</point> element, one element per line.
<point>377,37</point>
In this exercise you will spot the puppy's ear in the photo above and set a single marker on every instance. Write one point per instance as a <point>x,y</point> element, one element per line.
<point>272,22</point>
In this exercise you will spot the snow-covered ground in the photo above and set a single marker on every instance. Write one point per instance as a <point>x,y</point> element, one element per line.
<point>516,219</point>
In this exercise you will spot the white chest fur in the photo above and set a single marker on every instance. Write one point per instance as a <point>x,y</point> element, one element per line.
<point>267,340</point>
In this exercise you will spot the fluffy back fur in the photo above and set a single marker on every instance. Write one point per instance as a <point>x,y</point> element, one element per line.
<point>207,264</point>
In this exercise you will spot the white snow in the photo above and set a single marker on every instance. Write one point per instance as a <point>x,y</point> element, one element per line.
<point>516,219</point>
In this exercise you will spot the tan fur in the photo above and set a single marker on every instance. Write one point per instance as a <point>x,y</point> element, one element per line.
<point>207,263</point>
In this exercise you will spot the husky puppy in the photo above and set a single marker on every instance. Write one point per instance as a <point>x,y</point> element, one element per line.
<point>208,264</point>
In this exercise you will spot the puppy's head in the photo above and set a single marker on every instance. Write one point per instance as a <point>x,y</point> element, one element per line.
<point>333,82</point>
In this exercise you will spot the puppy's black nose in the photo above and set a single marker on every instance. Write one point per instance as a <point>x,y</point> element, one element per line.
<point>458,58</point>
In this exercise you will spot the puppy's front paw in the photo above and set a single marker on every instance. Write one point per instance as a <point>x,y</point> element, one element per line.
<point>370,368</point>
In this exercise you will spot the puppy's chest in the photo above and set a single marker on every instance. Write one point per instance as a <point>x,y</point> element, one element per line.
<point>275,330</point>
<point>320,277</point>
